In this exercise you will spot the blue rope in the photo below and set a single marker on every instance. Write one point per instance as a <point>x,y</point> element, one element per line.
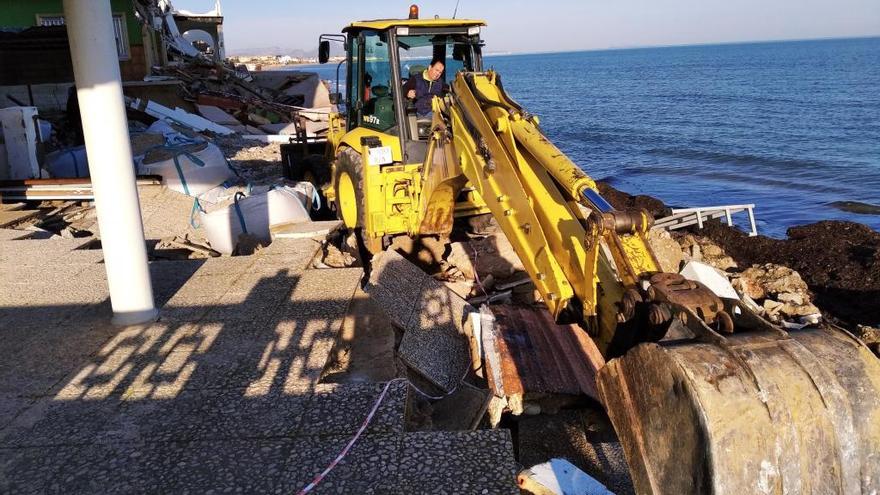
<point>197,207</point>
<point>193,158</point>
<point>238,196</point>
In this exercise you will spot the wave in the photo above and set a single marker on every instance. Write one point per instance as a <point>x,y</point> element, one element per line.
<point>856,207</point>
<point>735,158</point>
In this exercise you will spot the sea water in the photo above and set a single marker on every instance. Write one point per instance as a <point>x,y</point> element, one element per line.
<point>793,127</point>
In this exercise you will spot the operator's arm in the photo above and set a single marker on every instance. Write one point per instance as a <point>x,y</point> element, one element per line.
<point>409,89</point>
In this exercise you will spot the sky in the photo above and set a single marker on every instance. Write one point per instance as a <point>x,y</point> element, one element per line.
<point>555,25</point>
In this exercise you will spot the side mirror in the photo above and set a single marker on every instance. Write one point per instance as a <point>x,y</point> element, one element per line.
<point>323,51</point>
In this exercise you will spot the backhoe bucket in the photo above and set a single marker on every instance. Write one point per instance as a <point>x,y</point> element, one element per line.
<point>753,413</point>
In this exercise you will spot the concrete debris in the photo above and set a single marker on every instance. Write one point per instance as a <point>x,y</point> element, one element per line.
<point>762,281</point>
<point>709,277</point>
<point>781,291</point>
<point>339,251</point>
<point>698,248</point>
<point>21,144</point>
<point>177,115</point>
<point>435,339</point>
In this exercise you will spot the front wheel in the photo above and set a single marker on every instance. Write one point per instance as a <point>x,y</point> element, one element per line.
<point>349,188</point>
<point>351,199</point>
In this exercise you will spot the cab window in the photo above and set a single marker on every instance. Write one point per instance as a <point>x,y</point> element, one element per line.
<point>377,99</point>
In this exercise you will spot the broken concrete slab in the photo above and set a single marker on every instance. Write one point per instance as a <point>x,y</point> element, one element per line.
<point>217,115</point>
<point>303,230</point>
<point>435,341</point>
<point>395,283</point>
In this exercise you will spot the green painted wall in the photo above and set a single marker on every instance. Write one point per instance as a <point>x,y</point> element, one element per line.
<point>18,13</point>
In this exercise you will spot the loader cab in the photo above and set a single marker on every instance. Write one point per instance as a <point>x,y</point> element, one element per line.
<point>382,56</point>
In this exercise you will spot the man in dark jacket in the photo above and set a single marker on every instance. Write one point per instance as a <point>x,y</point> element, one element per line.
<point>425,86</point>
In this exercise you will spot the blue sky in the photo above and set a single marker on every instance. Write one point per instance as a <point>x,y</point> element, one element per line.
<point>557,25</point>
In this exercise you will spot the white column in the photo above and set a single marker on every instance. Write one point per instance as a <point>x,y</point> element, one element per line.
<point>99,88</point>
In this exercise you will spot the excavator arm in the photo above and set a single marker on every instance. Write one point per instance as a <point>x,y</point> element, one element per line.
<point>548,208</point>
<point>706,396</point>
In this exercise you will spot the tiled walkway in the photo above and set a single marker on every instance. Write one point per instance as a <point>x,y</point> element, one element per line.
<point>220,394</point>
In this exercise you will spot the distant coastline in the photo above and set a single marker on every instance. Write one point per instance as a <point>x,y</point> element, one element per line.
<point>274,60</point>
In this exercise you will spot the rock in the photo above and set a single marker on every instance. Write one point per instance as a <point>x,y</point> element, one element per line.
<point>761,281</point>
<point>460,259</point>
<point>772,307</point>
<point>697,248</point>
<point>336,258</point>
<point>791,310</point>
<point>668,251</point>
<point>696,252</point>
<point>792,298</point>
<point>870,336</point>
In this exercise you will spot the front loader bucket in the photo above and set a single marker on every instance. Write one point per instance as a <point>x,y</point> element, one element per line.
<point>756,413</point>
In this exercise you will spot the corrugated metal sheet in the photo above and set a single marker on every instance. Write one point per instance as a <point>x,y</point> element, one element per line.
<point>539,356</point>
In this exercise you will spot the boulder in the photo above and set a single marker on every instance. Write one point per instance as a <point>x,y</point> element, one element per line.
<point>770,280</point>
<point>668,252</point>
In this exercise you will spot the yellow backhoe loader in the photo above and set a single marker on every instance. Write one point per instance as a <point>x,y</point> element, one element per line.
<point>706,396</point>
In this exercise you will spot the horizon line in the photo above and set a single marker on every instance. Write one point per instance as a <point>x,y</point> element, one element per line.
<point>503,53</point>
<point>685,45</point>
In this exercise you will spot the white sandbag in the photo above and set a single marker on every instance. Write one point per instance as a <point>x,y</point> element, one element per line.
<point>252,215</point>
<point>71,162</point>
<point>190,170</point>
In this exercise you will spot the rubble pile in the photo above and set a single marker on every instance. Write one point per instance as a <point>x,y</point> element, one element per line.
<point>837,261</point>
<point>281,102</point>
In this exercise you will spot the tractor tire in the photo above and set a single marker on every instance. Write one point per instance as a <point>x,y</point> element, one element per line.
<point>349,184</point>
<point>350,197</point>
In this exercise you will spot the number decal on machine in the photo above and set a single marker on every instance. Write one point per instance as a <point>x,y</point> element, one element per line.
<point>380,156</point>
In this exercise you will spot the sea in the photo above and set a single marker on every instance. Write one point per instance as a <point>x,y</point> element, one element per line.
<point>792,127</point>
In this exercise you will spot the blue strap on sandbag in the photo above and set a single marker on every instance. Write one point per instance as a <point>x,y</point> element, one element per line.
<point>235,200</point>
<point>229,165</point>
<point>197,207</point>
<point>193,158</point>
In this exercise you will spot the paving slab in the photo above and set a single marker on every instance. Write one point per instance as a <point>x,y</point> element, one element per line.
<point>11,406</point>
<point>395,284</point>
<point>432,316</point>
<point>371,466</point>
<point>340,409</point>
<point>245,466</point>
<point>305,230</point>
<point>51,422</point>
<point>458,462</point>
<point>11,217</point>
<point>34,470</point>
<point>435,342</point>
<point>207,415</point>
